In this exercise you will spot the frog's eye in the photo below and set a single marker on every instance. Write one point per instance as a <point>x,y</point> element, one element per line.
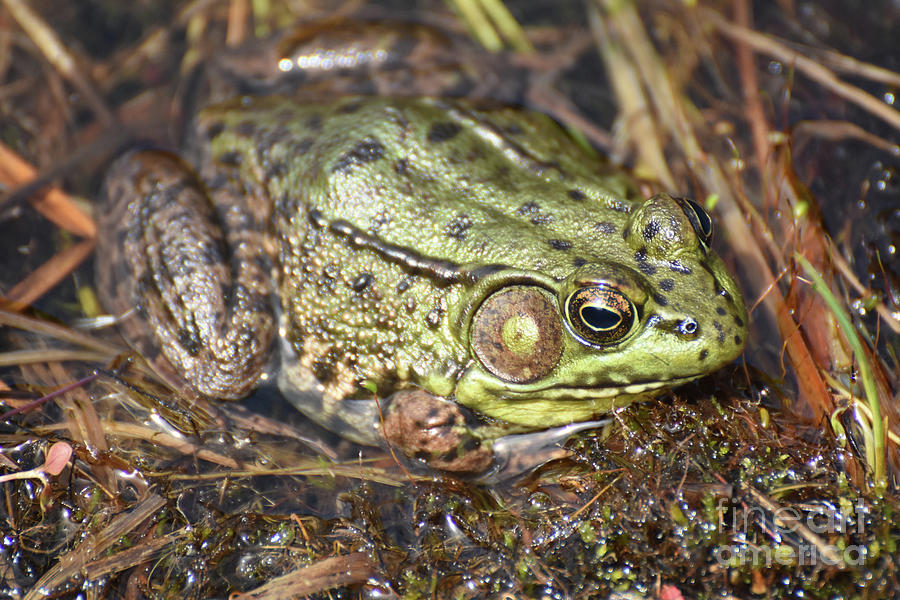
<point>517,335</point>
<point>600,315</point>
<point>699,219</point>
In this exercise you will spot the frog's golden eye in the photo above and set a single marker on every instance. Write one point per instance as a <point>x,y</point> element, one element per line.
<point>699,219</point>
<point>600,315</point>
<point>517,334</point>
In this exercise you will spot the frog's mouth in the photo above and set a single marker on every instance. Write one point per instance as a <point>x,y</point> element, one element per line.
<point>576,394</point>
<point>539,407</point>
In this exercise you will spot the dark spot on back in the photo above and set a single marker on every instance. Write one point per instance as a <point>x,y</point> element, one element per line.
<point>214,129</point>
<point>703,354</point>
<point>677,267</point>
<point>605,227</point>
<point>578,262</point>
<point>262,262</point>
<point>249,301</point>
<point>721,311</point>
<point>246,128</point>
<point>619,206</point>
<point>190,341</point>
<point>528,208</point>
<point>667,285</point>
<point>537,217</point>
<point>361,282</point>
<point>650,231</point>
<point>230,159</point>
<point>458,227</point>
<point>577,195</point>
<point>737,340</point>
<point>644,267</point>
<point>350,108</point>
<point>325,366</point>
<point>314,123</point>
<point>287,203</point>
<point>660,299</point>
<point>401,167</point>
<point>514,129</point>
<point>720,332</point>
<point>317,218</point>
<point>443,131</point>
<point>433,317</point>
<point>366,151</point>
<point>738,321</point>
<point>301,147</point>
<point>331,271</point>
<point>220,180</point>
<point>404,285</point>
<point>560,244</point>
<point>275,169</point>
<point>275,136</point>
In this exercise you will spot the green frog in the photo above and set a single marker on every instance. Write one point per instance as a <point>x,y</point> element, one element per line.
<point>435,273</point>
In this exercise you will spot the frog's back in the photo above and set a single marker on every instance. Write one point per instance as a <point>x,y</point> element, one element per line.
<point>380,205</point>
<point>462,185</point>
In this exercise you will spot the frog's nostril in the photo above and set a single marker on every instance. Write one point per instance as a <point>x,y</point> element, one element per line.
<point>688,327</point>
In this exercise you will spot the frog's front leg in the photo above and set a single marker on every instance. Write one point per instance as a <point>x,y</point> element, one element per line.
<point>168,264</point>
<point>436,430</point>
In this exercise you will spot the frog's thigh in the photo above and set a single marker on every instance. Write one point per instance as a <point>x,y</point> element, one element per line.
<point>436,430</point>
<point>164,267</point>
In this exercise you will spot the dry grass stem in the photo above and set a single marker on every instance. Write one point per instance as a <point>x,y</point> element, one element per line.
<point>59,332</point>
<point>54,204</point>
<point>768,45</point>
<point>318,577</point>
<point>58,55</point>
<point>45,277</point>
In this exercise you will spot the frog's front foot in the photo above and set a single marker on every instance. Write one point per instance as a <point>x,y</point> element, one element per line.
<point>437,431</point>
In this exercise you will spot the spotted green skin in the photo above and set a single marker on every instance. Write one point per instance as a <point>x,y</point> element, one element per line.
<point>384,224</point>
<point>441,180</point>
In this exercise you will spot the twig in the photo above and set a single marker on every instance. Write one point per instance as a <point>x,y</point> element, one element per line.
<point>51,202</point>
<point>45,277</point>
<point>318,577</point>
<point>58,55</point>
<point>822,75</point>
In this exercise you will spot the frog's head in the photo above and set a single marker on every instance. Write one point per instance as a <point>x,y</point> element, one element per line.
<point>551,350</point>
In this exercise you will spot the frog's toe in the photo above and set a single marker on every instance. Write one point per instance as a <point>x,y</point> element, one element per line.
<point>435,430</point>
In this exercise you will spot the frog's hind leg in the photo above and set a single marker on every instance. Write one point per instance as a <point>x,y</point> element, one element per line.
<point>164,267</point>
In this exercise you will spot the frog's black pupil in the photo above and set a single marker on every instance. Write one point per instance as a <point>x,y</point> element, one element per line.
<point>699,219</point>
<point>599,318</point>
